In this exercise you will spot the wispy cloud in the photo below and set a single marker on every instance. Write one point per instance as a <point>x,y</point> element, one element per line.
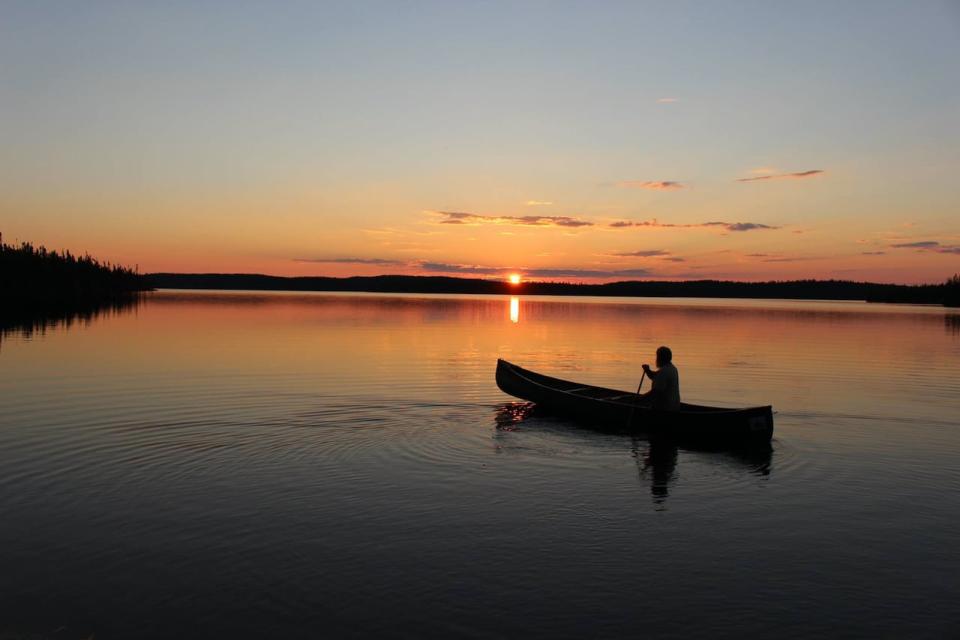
<point>655,185</point>
<point>460,217</point>
<point>479,270</point>
<point>371,261</point>
<point>785,176</point>
<point>728,226</point>
<point>472,269</point>
<point>739,226</point>
<point>923,244</point>
<point>644,253</point>
<point>590,273</point>
<point>555,272</point>
<point>788,259</point>
<point>667,100</point>
<point>660,254</point>
<point>538,203</point>
<point>873,253</point>
<point>928,245</point>
<point>779,257</point>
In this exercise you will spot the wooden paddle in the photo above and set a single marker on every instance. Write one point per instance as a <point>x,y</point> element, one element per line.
<point>634,405</point>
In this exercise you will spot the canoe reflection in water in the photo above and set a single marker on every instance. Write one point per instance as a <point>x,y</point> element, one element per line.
<point>656,458</point>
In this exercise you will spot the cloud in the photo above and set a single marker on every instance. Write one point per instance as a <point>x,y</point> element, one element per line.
<point>656,185</point>
<point>460,217</point>
<point>788,259</point>
<point>925,244</point>
<point>445,267</point>
<point>739,226</point>
<point>873,253</point>
<point>662,254</point>
<point>782,176</point>
<point>667,100</point>
<point>728,226</point>
<point>931,246</point>
<point>775,257</point>
<point>373,261</point>
<point>538,203</point>
<point>557,272</point>
<point>647,253</point>
<point>589,273</point>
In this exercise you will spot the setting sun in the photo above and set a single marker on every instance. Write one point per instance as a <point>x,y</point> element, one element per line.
<point>514,278</point>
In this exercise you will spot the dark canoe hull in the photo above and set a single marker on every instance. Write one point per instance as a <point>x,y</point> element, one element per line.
<point>697,424</point>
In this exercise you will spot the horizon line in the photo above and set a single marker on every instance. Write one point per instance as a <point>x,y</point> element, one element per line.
<point>505,281</point>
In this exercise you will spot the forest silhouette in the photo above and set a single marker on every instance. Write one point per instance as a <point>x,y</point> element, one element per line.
<point>947,293</point>
<point>36,279</point>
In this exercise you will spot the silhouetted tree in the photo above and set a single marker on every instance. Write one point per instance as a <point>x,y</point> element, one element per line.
<point>951,291</point>
<point>35,278</point>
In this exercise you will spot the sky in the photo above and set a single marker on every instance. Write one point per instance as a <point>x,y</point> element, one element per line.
<point>574,141</point>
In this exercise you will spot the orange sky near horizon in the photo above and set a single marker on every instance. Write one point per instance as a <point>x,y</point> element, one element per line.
<point>692,239</point>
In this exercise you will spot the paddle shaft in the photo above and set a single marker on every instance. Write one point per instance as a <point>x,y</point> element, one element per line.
<point>634,405</point>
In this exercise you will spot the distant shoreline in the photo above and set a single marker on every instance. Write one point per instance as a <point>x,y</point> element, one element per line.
<point>786,290</point>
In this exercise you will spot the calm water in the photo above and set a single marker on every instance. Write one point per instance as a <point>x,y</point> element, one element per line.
<point>253,465</point>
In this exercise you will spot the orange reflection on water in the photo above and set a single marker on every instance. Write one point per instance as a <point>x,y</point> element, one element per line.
<point>805,358</point>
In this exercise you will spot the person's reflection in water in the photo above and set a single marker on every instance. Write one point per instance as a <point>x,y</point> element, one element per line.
<point>656,461</point>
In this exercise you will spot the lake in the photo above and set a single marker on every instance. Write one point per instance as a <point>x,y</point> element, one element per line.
<point>288,465</point>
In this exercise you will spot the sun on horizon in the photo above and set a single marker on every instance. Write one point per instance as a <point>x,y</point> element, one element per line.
<point>514,278</point>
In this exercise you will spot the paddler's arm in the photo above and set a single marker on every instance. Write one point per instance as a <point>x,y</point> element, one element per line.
<point>651,374</point>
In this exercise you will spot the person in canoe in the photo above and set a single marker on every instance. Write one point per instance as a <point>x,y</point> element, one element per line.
<point>665,391</point>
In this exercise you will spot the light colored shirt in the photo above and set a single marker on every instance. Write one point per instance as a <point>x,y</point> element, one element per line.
<point>666,388</point>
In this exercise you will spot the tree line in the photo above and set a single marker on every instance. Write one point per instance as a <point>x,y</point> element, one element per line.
<point>34,277</point>
<point>947,293</point>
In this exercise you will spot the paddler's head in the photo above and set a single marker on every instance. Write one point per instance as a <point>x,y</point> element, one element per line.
<point>664,356</point>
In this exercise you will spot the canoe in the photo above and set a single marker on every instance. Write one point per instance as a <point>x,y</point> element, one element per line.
<point>692,423</point>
